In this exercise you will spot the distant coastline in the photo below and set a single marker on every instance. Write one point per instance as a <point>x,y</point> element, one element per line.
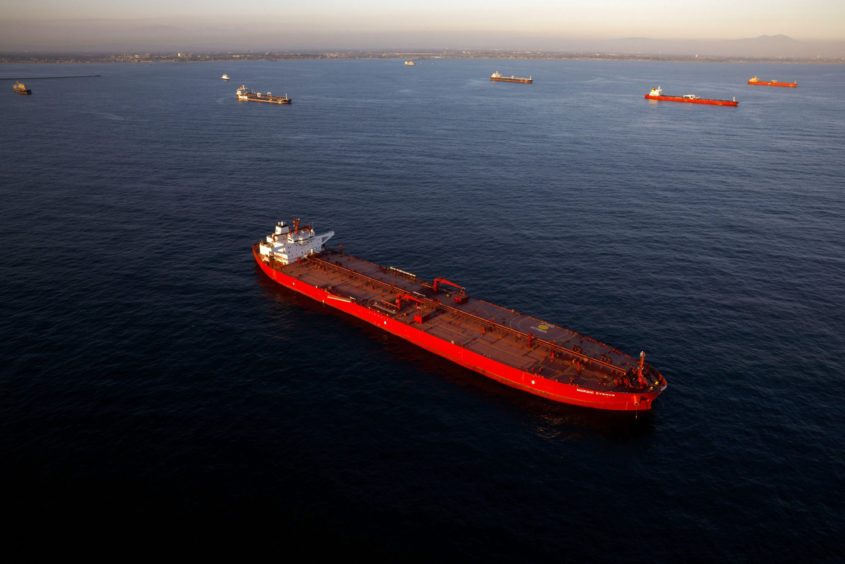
<point>76,58</point>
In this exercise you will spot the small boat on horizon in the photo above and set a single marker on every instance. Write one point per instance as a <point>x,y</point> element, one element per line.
<point>755,81</point>
<point>410,63</point>
<point>657,95</point>
<point>224,76</point>
<point>20,88</point>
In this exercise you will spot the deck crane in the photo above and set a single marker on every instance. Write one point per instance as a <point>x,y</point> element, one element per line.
<point>422,313</point>
<point>460,298</point>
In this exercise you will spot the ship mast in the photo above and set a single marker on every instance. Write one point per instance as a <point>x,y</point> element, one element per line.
<point>640,378</point>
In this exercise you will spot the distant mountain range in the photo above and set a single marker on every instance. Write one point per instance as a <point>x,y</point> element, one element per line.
<point>105,36</point>
<point>777,46</point>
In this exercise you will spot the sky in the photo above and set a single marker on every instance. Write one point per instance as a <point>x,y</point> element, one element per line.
<point>91,25</point>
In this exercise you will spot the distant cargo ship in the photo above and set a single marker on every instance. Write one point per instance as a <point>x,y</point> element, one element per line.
<point>754,81</point>
<point>20,88</point>
<point>498,77</point>
<point>657,94</point>
<point>243,94</point>
<point>512,348</point>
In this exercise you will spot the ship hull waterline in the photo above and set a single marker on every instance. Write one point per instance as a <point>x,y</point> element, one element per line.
<point>560,392</point>
<point>514,80</point>
<point>774,83</point>
<point>681,99</point>
<point>267,100</point>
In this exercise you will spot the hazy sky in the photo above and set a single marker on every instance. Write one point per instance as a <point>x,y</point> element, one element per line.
<point>282,24</point>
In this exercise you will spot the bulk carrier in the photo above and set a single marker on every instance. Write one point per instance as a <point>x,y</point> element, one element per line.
<point>512,348</point>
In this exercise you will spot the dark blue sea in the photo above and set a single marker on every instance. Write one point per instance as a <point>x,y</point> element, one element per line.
<point>151,375</point>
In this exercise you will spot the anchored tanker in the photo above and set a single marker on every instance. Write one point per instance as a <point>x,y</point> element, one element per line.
<point>512,348</point>
<point>499,77</point>
<point>657,94</point>
<point>755,81</point>
<point>244,94</point>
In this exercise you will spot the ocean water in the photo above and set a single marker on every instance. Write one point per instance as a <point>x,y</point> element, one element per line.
<point>149,373</point>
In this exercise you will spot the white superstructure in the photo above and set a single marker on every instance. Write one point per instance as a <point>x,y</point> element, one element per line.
<point>656,92</point>
<point>288,245</point>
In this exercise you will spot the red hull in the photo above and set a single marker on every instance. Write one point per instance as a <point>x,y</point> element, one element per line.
<point>684,100</point>
<point>532,383</point>
<point>516,80</point>
<point>773,83</point>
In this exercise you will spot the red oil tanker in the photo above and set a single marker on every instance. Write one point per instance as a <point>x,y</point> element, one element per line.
<point>657,94</point>
<point>512,348</point>
<point>754,81</point>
